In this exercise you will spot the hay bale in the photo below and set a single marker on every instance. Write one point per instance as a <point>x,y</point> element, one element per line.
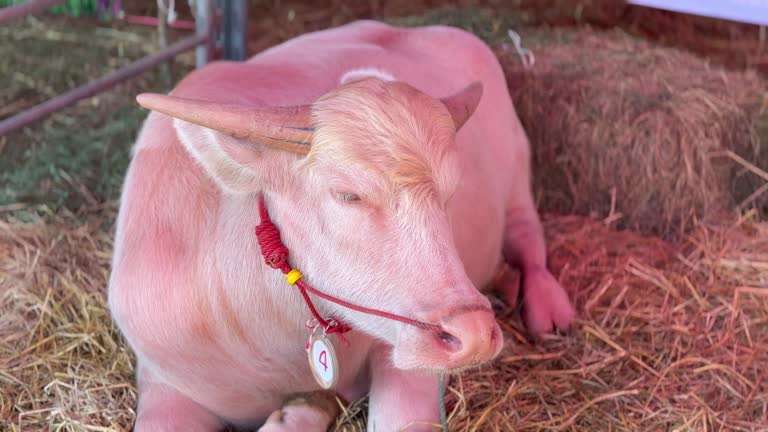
<point>490,20</point>
<point>627,130</point>
<point>669,336</point>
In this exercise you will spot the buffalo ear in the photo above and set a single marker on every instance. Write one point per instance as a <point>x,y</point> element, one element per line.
<point>462,105</point>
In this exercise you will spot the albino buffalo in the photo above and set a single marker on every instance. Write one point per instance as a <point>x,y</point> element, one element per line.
<point>397,172</point>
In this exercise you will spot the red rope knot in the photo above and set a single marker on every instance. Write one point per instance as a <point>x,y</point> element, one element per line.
<point>272,248</point>
<point>334,326</point>
<point>329,327</point>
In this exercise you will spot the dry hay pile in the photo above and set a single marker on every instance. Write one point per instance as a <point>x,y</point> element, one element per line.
<point>669,336</point>
<point>63,366</point>
<point>637,132</point>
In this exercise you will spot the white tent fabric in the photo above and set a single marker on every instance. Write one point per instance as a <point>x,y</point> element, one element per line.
<point>747,11</point>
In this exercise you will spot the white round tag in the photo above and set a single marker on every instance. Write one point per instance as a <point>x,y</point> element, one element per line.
<point>323,362</point>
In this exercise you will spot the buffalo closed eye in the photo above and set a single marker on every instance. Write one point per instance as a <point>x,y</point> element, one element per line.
<point>348,197</point>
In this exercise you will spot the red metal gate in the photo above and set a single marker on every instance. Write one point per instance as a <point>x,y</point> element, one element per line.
<point>230,32</point>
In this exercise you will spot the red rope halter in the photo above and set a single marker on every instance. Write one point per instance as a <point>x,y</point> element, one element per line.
<point>276,256</point>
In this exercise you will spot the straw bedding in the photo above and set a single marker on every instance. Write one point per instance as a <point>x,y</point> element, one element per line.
<point>669,337</point>
<point>63,366</point>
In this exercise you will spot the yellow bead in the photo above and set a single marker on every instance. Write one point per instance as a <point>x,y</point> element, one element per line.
<point>293,276</point>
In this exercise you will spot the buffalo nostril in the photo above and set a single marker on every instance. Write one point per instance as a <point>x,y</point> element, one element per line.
<point>450,340</point>
<point>469,337</point>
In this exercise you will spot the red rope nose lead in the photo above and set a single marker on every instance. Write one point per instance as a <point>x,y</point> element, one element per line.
<point>276,256</point>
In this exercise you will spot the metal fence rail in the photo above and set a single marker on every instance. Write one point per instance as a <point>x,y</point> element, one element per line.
<point>204,41</point>
<point>94,87</point>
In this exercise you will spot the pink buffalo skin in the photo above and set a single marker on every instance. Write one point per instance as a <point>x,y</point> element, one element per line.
<point>392,209</point>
